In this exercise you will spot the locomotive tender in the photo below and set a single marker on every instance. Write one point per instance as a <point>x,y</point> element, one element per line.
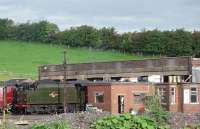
<point>44,96</point>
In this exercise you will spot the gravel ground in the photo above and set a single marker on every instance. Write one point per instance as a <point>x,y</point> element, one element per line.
<point>81,120</point>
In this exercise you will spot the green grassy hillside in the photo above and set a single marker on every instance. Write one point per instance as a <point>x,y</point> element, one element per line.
<point>21,59</point>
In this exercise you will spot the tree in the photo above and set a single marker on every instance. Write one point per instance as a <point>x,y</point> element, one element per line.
<point>109,39</point>
<point>179,43</point>
<point>45,31</point>
<point>154,107</point>
<point>82,36</point>
<point>5,27</point>
<point>23,32</point>
<point>168,43</point>
<point>196,44</point>
<point>126,44</point>
<point>153,42</point>
<point>137,43</point>
<point>87,36</point>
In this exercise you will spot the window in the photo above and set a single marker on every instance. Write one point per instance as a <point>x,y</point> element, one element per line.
<point>193,95</point>
<point>95,79</point>
<point>174,79</point>
<point>162,94</point>
<point>173,95</point>
<point>139,98</point>
<point>115,79</point>
<point>143,79</point>
<point>99,97</point>
<point>120,104</point>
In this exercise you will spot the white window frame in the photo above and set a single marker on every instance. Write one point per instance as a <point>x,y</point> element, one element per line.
<point>197,102</point>
<point>162,94</point>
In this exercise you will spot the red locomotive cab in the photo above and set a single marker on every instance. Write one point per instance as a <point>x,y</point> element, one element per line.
<point>10,94</point>
<point>1,98</point>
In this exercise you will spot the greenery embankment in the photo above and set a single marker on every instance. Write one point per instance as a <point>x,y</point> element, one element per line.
<point>21,59</point>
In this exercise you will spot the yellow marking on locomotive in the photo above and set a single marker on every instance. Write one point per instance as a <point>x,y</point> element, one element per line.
<point>53,94</point>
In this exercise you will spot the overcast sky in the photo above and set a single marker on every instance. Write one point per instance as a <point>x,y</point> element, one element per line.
<point>124,15</point>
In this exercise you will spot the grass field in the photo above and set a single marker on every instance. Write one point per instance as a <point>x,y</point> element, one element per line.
<point>21,59</point>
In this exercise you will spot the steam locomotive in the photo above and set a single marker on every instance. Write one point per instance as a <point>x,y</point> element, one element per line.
<point>43,96</point>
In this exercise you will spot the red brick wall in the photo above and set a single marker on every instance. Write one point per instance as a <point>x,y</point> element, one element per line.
<point>127,90</point>
<point>111,95</point>
<point>192,108</point>
<point>174,107</point>
<point>179,106</point>
<point>113,90</point>
<point>106,106</point>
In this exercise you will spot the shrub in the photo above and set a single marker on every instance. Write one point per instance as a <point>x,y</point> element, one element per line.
<point>125,121</point>
<point>53,125</point>
<point>155,111</point>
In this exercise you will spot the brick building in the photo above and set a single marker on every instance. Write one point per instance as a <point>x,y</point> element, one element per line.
<point>118,86</point>
<point>123,97</point>
<point>181,97</point>
<point>118,97</point>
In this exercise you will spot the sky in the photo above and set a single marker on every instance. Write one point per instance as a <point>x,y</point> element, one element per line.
<point>124,15</point>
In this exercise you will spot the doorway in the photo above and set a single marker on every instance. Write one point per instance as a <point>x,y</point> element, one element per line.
<point>120,104</point>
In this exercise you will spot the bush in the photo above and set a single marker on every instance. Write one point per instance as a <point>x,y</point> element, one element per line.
<point>155,111</point>
<point>125,121</point>
<point>54,125</point>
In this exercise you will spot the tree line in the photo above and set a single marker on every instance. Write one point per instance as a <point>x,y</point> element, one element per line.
<point>177,42</point>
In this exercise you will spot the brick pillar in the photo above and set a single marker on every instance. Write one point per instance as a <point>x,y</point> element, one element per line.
<point>180,97</point>
<point>167,88</point>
